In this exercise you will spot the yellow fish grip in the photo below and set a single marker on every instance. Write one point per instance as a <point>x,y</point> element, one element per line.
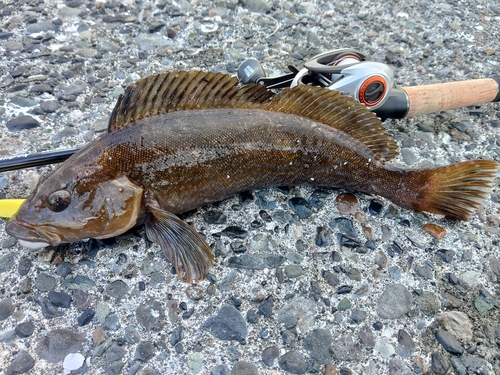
<point>8,207</point>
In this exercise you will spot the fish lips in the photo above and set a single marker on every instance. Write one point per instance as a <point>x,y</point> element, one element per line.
<point>30,236</point>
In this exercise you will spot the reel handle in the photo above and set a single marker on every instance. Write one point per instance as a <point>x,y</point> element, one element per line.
<point>421,100</point>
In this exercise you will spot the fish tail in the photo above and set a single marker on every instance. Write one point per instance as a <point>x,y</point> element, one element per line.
<point>456,190</point>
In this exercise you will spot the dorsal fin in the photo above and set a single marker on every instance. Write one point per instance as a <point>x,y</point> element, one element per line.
<point>339,111</point>
<point>188,90</point>
<point>183,90</point>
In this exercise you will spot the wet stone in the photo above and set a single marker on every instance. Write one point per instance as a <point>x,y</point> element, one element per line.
<point>252,316</point>
<point>6,308</point>
<point>21,364</point>
<point>294,362</point>
<point>214,217</point>
<point>219,370</point>
<point>86,317</point>
<point>375,207</point>
<point>24,266</point>
<point>60,299</point>
<point>235,232</point>
<point>25,329</point>
<point>323,237</point>
<point>58,343</point>
<point>245,197</point>
<point>428,303</point>
<point>300,207</point>
<point>394,302</point>
<point>227,324</point>
<point>269,355</point>
<point>22,123</point>
<point>151,315</point>
<point>466,365</point>
<point>144,351</point>
<point>449,343</point>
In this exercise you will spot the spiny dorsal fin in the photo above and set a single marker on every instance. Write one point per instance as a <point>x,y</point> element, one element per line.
<point>339,111</point>
<point>182,90</point>
<point>188,90</point>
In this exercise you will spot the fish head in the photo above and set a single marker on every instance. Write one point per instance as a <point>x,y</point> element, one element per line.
<point>74,203</point>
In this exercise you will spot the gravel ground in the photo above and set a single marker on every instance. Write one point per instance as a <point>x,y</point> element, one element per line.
<point>301,284</point>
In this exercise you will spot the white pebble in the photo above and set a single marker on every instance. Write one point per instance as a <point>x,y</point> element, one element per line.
<point>73,361</point>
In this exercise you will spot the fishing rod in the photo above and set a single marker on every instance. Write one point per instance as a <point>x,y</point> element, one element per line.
<point>348,71</point>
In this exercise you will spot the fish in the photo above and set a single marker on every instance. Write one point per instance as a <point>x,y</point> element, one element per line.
<point>183,139</point>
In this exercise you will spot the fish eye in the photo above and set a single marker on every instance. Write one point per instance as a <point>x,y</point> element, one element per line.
<point>59,200</point>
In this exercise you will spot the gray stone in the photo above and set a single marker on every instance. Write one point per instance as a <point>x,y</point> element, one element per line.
<point>22,123</point>
<point>244,368</point>
<point>318,344</point>
<point>117,289</point>
<point>115,353</point>
<point>144,351</point>
<point>449,343</point>
<point>228,324</point>
<point>6,308</point>
<point>293,362</point>
<point>269,355</point>
<point>255,261</point>
<point>58,343</point>
<point>21,364</point>
<point>394,302</point>
<point>151,315</point>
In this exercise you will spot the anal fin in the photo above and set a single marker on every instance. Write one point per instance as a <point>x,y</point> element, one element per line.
<point>188,252</point>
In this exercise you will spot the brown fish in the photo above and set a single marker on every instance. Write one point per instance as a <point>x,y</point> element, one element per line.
<point>179,140</point>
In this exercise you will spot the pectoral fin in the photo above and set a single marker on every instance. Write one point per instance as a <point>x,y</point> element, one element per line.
<point>190,255</point>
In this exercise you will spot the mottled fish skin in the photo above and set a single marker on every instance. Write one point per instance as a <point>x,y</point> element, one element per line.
<point>180,140</point>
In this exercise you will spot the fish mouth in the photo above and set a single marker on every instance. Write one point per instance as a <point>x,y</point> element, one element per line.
<point>31,236</point>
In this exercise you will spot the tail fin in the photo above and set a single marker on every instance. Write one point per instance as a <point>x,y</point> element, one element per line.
<point>457,190</point>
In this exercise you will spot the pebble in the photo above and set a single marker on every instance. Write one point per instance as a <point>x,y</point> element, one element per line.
<point>323,237</point>
<point>435,230</point>
<point>227,324</point>
<point>48,309</point>
<point>346,203</point>
<point>81,299</point>
<point>144,351</point>
<point>58,343</point>
<point>449,343</point>
<point>24,266</point>
<point>244,368</point>
<point>19,123</point>
<point>294,362</point>
<point>115,353</point>
<point>25,329</point>
<point>293,271</point>
<point>439,363</point>
<point>117,289</point>
<point>22,363</point>
<point>112,323</point>
<point>255,261</point>
<point>456,323</point>
<point>151,315</point>
<point>265,308</point>
<point>63,269</point>
<point>219,370</point>
<point>428,303</point>
<point>300,207</point>
<point>394,302</point>
<point>6,308</point>
<point>318,343</point>
<point>466,365</point>
<point>60,299</point>
<point>85,317</point>
<point>234,232</point>
<point>385,348</point>
<point>375,207</point>
<point>406,344</point>
<point>215,217</point>
<point>446,255</point>
<point>269,355</point>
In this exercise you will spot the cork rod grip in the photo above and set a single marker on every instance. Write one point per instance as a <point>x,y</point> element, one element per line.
<point>442,96</point>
